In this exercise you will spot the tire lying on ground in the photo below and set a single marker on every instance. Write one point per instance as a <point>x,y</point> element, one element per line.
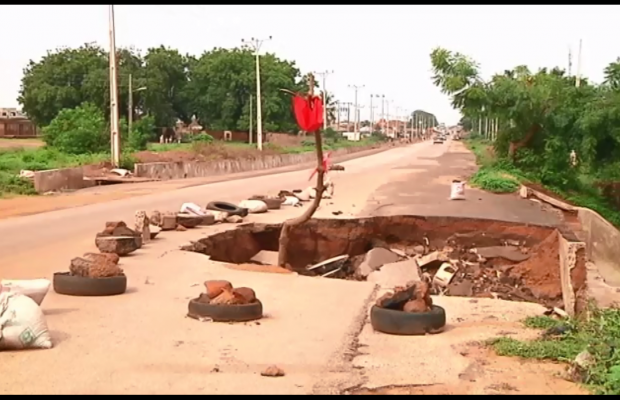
<point>229,208</point>
<point>71,285</point>
<point>396,322</point>
<point>225,313</point>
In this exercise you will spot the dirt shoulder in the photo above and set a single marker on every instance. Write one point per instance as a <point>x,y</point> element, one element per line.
<point>28,205</point>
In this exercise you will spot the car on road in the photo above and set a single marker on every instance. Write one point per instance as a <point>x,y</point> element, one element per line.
<point>438,140</point>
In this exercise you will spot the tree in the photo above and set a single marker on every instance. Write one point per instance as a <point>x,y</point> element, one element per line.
<point>80,130</point>
<point>320,188</point>
<point>64,79</point>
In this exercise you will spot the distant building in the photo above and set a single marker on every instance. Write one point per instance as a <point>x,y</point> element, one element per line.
<point>15,124</point>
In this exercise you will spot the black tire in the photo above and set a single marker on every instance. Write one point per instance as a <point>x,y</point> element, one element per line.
<point>396,322</point>
<point>70,285</point>
<point>273,203</point>
<point>224,313</point>
<point>229,208</point>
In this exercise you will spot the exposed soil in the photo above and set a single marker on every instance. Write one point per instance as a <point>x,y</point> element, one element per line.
<point>535,279</point>
<point>491,374</point>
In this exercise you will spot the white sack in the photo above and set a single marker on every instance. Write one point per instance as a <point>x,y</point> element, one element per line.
<point>457,190</point>
<point>254,206</point>
<point>36,289</point>
<point>22,323</point>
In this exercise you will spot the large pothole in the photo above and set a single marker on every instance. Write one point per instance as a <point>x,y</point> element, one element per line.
<point>521,261</point>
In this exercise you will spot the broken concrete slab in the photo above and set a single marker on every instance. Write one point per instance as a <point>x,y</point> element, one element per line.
<point>432,257</point>
<point>375,259</point>
<point>510,253</point>
<point>266,257</point>
<point>396,274</point>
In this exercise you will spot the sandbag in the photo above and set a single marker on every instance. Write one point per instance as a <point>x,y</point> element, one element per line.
<point>36,289</point>
<point>303,195</point>
<point>192,208</point>
<point>290,201</point>
<point>254,206</point>
<point>457,190</point>
<point>22,323</point>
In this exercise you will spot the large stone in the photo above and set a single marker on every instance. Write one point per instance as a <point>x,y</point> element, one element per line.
<point>142,226</point>
<point>216,288</point>
<point>396,274</point>
<point>396,300</point>
<point>189,220</point>
<point>94,268</point>
<point>510,253</point>
<point>266,257</point>
<point>208,219</point>
<point>120,245</point>
<point>375,259</point>
<point>113,258</point>
<point>248,294</point>
<point>168,222</point>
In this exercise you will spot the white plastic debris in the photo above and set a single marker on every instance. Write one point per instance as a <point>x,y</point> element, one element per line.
<point>457,190</point>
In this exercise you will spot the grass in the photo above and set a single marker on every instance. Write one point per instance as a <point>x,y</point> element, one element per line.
<point>502,177</point>
<point>599,334</point>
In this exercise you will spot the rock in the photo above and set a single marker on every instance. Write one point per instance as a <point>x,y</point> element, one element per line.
<point>578,370</point>
<point>203,298</point>
<point>168,222</point>
<point>273,372</point>
<point>208,219</point>
<point>113,258</point>
<point>510,253</point>
<point>189,220</point>
<point>396,274</point>
<point>229,297</point>
<point>431,257</point>
<point>180,228</point>
<point>112,225</point>
<point>220,216</point>
<point>105,269</point>
<point>234,219</point>
<point>415,306</point>
<point>142,226</point>
<point>375,259</point>
<point>396,300</point>
<point>80,267</point>
<point>215,288</point>
<point>155,230</point>
<point>155,218</point>
<point>462,289</point>
<point>248,294</point>
<point>120,245</point>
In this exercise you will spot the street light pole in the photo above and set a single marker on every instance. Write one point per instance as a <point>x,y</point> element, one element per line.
<point>115,142</point>
<point>251,122</point>
<point>130,103</point>
<point>255,45</point>
<point>356,88</point>
<point>324,79</point>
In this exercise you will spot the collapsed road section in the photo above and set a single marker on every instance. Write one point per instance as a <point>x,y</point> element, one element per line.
<point>459,256</point>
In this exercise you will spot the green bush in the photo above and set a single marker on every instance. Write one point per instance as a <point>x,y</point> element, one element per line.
<point>81,130</point>
<point>142,132</point>
<point>494,180</point>
<point>202,138</point>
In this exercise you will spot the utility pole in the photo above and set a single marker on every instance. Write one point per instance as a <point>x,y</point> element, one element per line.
<point>578,80</point>
<point>115,142</point>
<point>338,116</point>
<point>383,113</point>
<point>570,61</point>
<point>251,122</point>
<point>324,79</point>
<point>372,117</point>
<point>255,45</point>
<point>356,88</point>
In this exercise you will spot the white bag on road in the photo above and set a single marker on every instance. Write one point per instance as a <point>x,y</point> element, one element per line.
<point>254,206</point>
<point>191,208</point>
<point>457,190</point>
<point>36,289</point>
<point>22,323</point>
<point>290,201</point>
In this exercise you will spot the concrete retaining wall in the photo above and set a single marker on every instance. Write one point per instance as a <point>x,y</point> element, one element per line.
<point>589,269</point>
<point>60,179</point>
<point>180,170</point>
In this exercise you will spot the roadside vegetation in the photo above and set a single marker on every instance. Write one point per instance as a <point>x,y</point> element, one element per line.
<point>541,128</point>
<point>564,340</point>
<point>66,94</point>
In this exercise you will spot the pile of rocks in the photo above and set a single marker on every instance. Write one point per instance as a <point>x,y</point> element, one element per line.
<point>223,293</point>
<point>96,265</point>
<point>117,238</point>
<point>414,298</point>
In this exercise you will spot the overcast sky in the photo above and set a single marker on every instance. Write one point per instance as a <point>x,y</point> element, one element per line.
<point>386,48</point>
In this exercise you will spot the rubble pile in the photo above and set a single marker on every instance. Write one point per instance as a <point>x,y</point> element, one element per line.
<point>223,293</point>
<point>96,265</point>
<point>413,298</point>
